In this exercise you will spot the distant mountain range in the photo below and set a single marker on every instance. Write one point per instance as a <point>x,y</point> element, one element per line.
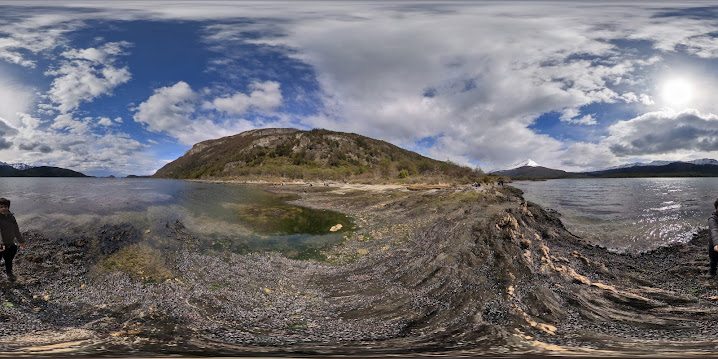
<point>23,170</point>
<point>704,161</point>
<point>698,168</point>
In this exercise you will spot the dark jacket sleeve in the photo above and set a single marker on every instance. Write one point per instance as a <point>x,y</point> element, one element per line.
<point>713,226</point>
<point>16,229</point>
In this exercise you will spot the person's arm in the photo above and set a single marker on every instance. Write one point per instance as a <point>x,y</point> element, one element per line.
<point>21,240</point>
<point>713,226</point>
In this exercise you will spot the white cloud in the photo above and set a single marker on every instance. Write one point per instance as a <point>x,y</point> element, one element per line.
<point>483,66</point>
<point>664,132</point>
<point>629,97</point>
<point>15,98</point>
<point>9,54</point>
<point>507,138</point>
<point>584,120</point>
<point>27,33</point>
<point>646,100</point>
<point>85,75</point>
<point>28,121</point>
<point>6,133</point>
<point>671,33</point>
<point>488,70</point>
<point>64,145</point>
<point>169,108</point>
<point>174,111</point>
<point>265,96</point>
<point>109,153</point>
<point>573,116</point>
<point>105,121</point>
<point>569,113</point>
<point>69,123</point>
<point>101,55</point>
<point>585,156</point>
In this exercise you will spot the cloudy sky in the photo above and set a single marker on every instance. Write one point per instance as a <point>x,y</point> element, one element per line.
<point>123,87</point>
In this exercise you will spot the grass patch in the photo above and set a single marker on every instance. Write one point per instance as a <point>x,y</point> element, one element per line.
<point>139,261</point>
<point>297,325</point>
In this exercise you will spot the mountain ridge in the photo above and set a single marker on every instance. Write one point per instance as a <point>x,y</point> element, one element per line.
<point>292,154</point>
<point>702,161</point>
<point>17,165</point>
<point>528,163</point>
<point>40,171</point>
<point>697,168</point>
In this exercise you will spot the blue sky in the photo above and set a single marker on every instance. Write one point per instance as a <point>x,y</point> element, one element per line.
<point>124,87</point>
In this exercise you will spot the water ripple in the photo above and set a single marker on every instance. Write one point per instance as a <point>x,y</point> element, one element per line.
<point>633,214</point>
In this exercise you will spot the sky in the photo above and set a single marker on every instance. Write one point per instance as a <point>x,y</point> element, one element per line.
<point>124,87</point>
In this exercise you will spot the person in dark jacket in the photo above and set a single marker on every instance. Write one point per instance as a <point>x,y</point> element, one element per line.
<point>713,240</point>
<point>10,233</point>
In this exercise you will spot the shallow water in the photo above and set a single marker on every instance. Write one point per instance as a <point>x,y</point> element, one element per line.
<point>628,214</point>
<point>227,216</point>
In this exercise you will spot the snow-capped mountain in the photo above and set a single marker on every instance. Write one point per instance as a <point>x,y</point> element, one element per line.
<point>21,166</point>
<point>529,163</point>
<point>703,161</point>
<point>18,165</point>
<point>531,170</point>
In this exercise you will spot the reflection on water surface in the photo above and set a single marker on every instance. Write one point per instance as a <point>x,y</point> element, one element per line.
<point>224,216</point>
<point>633,214</point>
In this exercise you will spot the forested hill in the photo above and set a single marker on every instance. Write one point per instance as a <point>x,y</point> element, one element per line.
<point>42,171</point>
<point>284,153</point>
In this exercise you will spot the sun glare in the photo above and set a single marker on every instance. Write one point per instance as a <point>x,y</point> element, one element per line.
<point>677,91</point>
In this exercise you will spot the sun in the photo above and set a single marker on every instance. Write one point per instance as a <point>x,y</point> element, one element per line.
<point>677,91</point>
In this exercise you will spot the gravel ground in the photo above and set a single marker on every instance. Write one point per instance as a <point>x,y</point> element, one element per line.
<point>446,271</point>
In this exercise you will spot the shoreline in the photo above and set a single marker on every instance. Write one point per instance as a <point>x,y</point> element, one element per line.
<point>452,270</point>
<point>376,187</point>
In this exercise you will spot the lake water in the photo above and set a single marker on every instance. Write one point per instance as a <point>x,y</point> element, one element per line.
<point>628,214</point>
<point>228,216</point>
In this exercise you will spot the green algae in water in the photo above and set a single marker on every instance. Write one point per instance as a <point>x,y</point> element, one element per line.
<point>279,218</point>
<point>296,232</point>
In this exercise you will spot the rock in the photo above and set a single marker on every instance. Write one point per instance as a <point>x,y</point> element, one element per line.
<point>453,282</point>
<point>525,243</point>
<point>508,221</point>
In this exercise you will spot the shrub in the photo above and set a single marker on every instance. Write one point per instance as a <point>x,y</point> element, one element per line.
<point>384,167</point>
<point>403,174</point>
<point>408,165</point>
<point>425,166</point>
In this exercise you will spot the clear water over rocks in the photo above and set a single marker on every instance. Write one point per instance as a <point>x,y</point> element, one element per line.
<point>225,216</point>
